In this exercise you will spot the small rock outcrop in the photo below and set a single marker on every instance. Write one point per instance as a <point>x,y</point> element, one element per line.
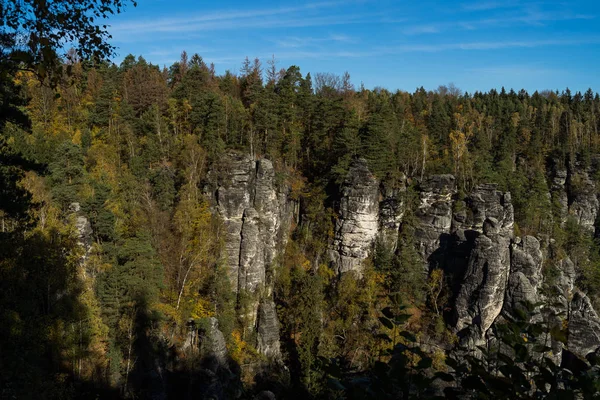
<point>268,330</point>
<point>84,231</point>
<point>216,345</point>
<point>358,222</point>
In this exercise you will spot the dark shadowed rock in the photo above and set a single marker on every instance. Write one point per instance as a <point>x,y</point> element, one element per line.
<point>391,212</point>
<point>265,395</point>
<point>583,326</point>
<point>268,330</point>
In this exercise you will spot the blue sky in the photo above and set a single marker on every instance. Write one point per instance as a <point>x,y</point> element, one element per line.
<point>477,45</point>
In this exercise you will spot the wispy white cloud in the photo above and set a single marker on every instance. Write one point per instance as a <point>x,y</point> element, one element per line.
<point>307,15</point>
<point>494,45</point>
<point>168,56</point>
<point>530,17</point>
<point>422,29</point>
<point>516,70</point>
<point>490,5</point>
<point>305,41</point>
<point>222,15</point>
<point>436,48</point>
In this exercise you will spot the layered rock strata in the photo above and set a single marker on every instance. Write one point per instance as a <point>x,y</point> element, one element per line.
<point>494,273</point>
<point>481,296</point>
<point>257,216</point>
<point>358,222</point>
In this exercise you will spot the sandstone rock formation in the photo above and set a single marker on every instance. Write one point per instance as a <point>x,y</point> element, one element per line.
<point>525,278</point>
<point>216,345</point>
<point>358,222</point>
<point>558,190</point>
<point>584,203</point>
<point>481,296</point>
<point>268,329</point>
<point>471,238</point>
<point>583,326</point>
<point>391,212</point>
<point>84,231</point>
<point>436,198</point>
<point>257,216</point>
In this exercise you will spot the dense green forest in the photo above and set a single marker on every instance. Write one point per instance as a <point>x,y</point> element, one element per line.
<point>132,147</point>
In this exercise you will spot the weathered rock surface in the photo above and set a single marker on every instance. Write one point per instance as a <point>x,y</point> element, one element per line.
<point>481,296</point>
<point>84,231</point>
<point>233,195</point>
<point>558,190</point>
<point>436,199</point>
<point>471,238</point>
<point>525,278</point>
<point>584,203</point>
<point>252,267</point>
<point>391,212</point>
<point>216,345</point>
<point>358,222</point>
<point>257,216</point>
<point>583,326</point>
<point>268,330</point>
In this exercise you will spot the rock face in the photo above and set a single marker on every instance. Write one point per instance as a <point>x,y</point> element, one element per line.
<point>525,278</point>
<point>481,296</point>
<point>257,216</point>
<point>493,274</point>
<point>391,212</point>
<point>268,330</point>
<point>584,203</point>
<point>216,345</point>
<point>436,198</point>
<point>583,327</point>
<point>84,231</point>
<point>558,190</point>
<point>357,226</point>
